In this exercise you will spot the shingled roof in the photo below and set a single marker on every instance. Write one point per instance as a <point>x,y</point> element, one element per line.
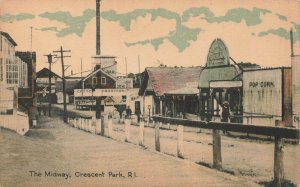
<point>165,79</point>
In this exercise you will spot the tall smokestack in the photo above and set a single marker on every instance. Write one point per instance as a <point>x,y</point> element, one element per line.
<point>292,43</point>
<point>98,50</point>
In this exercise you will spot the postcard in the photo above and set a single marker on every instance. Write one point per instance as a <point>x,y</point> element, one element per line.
<point>149,93</point>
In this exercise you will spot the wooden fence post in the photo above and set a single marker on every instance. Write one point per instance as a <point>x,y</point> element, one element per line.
<point>98,126</point>
<point>180,141</point>
<point>110,127</point>
<point>85,128</point>
<point>102,126</point>
<point>93,123</point>
<point>127,130</point>
<point>142,128</point>
<point>217,156</point>
<point>89,124</point>
<point>278,158</point>
<point>157,141</point>
<point>81,123</point>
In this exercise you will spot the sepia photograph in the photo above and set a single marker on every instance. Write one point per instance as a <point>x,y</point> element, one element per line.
<point>111,93</point>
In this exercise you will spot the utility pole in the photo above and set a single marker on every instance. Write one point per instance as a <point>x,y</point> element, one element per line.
<point>49,56</point>
<point>140,76</point>
<point>98,49</point>
<point>126,65</point>
<point>61,51</point>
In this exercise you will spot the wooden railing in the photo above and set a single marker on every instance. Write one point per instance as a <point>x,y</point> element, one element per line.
<point>279,133</point>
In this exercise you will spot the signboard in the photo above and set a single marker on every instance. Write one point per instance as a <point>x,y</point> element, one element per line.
<point>45,80</point>
<point>218,54</point>
<point>226,84</point>
<point>99,92</point>
<point>263,92</point>
<point>85,102</point>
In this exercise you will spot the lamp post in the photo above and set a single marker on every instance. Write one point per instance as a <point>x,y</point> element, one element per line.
<point>149,108</point>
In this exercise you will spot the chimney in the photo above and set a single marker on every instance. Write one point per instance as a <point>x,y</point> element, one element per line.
<point>98,51</point>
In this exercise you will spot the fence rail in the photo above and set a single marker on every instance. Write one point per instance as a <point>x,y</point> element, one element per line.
<point>283,132</point>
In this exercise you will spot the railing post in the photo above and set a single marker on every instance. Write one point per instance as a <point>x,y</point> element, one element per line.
<point>127,130</point>
<point>93,121</point>
<point>278,159</point>
<point>180,141</point>
<point>81,123</point>
<point>98,126</point>
<point>90,125</point>
<point>85,124</point>
<point>142,128</point>
<point>217,156</point>
<point>110,127</point>
<point>102,125</point>
<point>157,141</point>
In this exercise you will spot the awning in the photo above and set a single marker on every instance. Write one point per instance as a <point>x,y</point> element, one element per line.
<point>225,73</point>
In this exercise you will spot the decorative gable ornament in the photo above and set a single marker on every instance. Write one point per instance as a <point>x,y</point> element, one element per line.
<point>218,54</point>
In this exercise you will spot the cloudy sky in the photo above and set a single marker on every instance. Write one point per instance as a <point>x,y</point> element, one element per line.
<point>174,33</point>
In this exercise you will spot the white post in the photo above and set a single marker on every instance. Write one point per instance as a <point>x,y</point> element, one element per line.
<point>98,126</point>
<point>34,123</point>
<point>168,125</point>
<point>127,130</point>
<point>180,141</point>
<point>94,124</point>
<point>142,128</point>
<point>81,123</point>
<point>157,141</point>
<point>110,127</point>
<point>84,124</point>
<point>91,126</point>
<point>77,123</point>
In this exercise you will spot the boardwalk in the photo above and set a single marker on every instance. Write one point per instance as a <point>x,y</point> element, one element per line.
<point>58,148</point>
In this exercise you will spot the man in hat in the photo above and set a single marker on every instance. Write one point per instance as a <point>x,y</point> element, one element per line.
<point>225,113</point>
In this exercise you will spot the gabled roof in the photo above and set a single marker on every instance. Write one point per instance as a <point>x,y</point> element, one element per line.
<point>166,79</point>
<point>6,35</point>
<point>45,73</point>
<point>96,71</point>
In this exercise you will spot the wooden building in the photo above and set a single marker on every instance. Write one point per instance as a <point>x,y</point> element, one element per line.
<point>158,84</point>
<point>42,83</point>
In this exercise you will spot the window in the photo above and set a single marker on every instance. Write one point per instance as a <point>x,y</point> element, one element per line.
<point>12,71</point>
<point>94,80</point>
<point>103,80</point>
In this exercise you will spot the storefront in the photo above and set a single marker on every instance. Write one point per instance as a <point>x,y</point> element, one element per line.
<point>220,81</point>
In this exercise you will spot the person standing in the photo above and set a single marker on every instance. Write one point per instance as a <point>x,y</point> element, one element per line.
<point>225,113</point>
<point>128,112</point>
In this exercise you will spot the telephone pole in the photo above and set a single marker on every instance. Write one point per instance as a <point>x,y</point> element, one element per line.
<point>61,51</point>
<point>49,56</point>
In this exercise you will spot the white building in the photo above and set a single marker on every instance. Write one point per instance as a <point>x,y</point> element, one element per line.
<point>13,71</point>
